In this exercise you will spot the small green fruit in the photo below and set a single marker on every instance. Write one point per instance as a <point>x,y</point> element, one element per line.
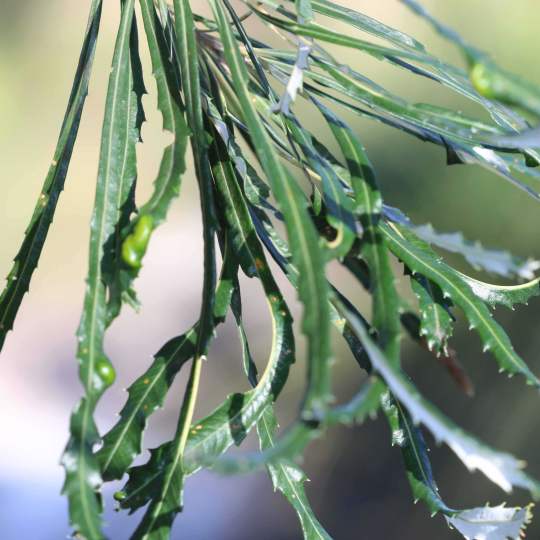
<point>119,496</point>
<point>142,232</point>
<point>483,81</point>
<point>105,371</point>
<point>130,255</point>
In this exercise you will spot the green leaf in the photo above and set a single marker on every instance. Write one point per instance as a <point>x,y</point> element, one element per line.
<point>117,157</point>
<point>368,206</point>
<point>293,443</point>
<point>116,278</point>
<point>339,208</point>
<point>146,395</point>
<point>436,320</point>
<point>227,425</point>
<point>502,469</point>
<point>26,260</point>
<point>307,254</point>
<point>285,477</point>
<point>123,442</point>
<point>488,78</point>
<point>498,523</point>
<point>363,22</point>
<point>506,295</point>
<point>490,260</point>
<point>173,165</point>
<point>167,502</point>
<point>419,257</point>
<point>290,479</point>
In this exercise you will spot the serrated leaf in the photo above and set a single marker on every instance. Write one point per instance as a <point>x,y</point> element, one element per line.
<point>225,426</point>
<point>116,278</point>
<point>492,523</point>
<point>436,320</point>
<point>419,257</point>
<point>482,523</point>
<point>117,158</point>
<point>503,85</point>
<point>505,295</point>
<point>368,207</point>
<point>285,477</point>
<point>168,499</point>
<point>290,479</point>
<point>306,252</point>
<point>123,442</point>
<point>172,166</point>
<point>501,468</point>
<point>167,184</point>
<point>294,441</point>
<point>494,261</point>
<point>26,260</point>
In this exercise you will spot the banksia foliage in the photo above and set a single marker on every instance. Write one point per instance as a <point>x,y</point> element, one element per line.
<point>232,100</point>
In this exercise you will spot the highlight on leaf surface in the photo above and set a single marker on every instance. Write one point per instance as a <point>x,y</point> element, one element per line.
<point>288,194</point>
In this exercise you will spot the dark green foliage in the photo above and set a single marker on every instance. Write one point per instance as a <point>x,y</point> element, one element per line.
<point>216,91</point>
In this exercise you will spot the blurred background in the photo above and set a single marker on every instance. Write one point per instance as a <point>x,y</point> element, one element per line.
<point>358,488</point>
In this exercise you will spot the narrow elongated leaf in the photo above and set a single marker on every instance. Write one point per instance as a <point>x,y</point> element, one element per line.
<point>227,425</point>
<point>117,159</point>
<point>285,477</point>
<point>126,257</point>
<point>436,320</point>
<point>167,502</point>
<point>418,257</point>
<point>173,166</point>
<point>293,443</point>
<point>499,523</point>
<point>308,256</point>
<point>290,479</point>
<point>496,262</point>
<point>373,248</point>
<point>489,78</point>
<point>146,395</point>
<point>29,253</point>
<point>123,442</point>
<point>365,23</point>
<point>114,259</point>
<point>404,56</point>
<point>339,208</point>
<point>502,469</point>
<point>505,295</point>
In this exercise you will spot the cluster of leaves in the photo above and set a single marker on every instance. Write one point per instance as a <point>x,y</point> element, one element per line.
<point>217,93</point>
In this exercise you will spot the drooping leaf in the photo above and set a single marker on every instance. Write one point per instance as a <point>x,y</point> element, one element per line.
<point>492,523</point>
<point>285,476</point>
<point>485,523</point>
<point>368,207</point>
<point>168,499</point>
<point>489,79</point>
<point>306,252</point>
<point>116,278</point>
<point>501,468</point>
<point>26,260</point>
<point>117,159</point>
<point>289,479</point>
<point>494,261</point>
<point>436,320</point>
<point>419,257</point>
